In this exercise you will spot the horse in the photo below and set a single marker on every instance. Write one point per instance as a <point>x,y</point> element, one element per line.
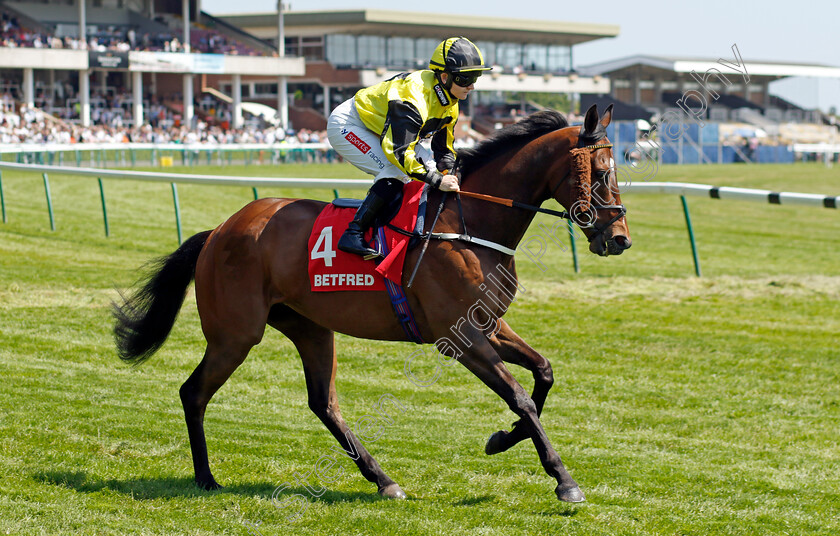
<point>251,271</point>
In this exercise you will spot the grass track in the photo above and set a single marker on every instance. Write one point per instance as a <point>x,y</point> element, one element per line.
<point>681,405</point>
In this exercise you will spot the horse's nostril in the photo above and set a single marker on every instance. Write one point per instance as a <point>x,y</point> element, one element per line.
<point>622,241</point>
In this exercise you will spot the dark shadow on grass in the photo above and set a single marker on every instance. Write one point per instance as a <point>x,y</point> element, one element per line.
<point>156,488</point>
<point>329,496</point>
<point>562,511</point>
<point>472,501</point>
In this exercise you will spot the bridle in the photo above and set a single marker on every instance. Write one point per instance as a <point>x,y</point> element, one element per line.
<point>593,209</point>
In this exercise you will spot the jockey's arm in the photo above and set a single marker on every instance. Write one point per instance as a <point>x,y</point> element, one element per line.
<point>443,148</point>
<point>404,121</point>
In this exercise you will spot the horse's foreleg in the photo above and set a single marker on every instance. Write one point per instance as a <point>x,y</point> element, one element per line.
<point>316,345</point>
<point>218,364</point>
<point>482,360</point>
<point>512,349</point>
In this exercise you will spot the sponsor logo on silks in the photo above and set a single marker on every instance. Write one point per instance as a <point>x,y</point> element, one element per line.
<point>344,131</point>
<point>329,280</point>
<point>441,95</point>
<point>376,159</point>
<point>357,142</point>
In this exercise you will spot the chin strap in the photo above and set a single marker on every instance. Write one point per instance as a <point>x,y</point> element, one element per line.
<point>445,85</point>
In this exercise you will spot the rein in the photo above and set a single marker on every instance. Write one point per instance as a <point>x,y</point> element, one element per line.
<point>465,237</point>
<point>560,214</point>
<point>516,204</point>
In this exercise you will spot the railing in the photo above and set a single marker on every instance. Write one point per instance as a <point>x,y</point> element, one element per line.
<point>99,154</point>
<point>667,188</point>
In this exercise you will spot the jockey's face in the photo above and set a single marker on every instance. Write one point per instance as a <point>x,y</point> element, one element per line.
<point>457,91</point>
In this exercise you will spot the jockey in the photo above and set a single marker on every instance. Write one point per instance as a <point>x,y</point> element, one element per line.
<point>378,131</point>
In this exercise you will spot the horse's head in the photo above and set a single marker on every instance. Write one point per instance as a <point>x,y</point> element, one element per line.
<point>590,190</point>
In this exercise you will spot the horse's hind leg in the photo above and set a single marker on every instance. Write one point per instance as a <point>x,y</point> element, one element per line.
<point>220,360</point>
<point>512,349</point>
<point>316,345</point>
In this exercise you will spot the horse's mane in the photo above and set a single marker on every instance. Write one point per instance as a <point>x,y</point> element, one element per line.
<point>510,137</point>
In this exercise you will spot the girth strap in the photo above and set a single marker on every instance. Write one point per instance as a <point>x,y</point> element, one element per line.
<point>399,301</point>
<point>474,240</point>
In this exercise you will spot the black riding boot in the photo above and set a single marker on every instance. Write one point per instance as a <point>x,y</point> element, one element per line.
<point>353,239</point>
<point>379,196</point>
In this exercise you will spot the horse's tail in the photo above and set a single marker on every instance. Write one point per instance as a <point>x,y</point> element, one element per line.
<point>146,317</point>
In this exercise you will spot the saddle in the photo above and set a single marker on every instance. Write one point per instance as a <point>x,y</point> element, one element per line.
<point>392,235</point>
<point>383,219</point>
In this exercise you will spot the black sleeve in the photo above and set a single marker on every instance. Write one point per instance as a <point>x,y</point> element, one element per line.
<point>404,121</point>
<point>444,158</point>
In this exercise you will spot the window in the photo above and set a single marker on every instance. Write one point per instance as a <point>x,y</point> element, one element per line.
<point>265,89</point>
<point>424,48</point>
<point>371,50</point>
<point>312,47</point>
<point>488,50</point>
<point>292,46</point>
<point>559,58</point>
<point>535,57</point>
<point>509,55</point>
<point>401,52</point>
<point>341,49</point>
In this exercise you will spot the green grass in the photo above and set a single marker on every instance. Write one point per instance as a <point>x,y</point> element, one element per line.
<point>681,405</point>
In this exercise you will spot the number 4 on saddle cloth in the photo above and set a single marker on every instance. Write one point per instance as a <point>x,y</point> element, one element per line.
<point>331,269</point>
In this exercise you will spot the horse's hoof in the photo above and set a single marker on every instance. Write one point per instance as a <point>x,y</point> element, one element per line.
<point>572,494</point>
<point>392,491</point>
<point>208,485</point>
<point>494,444</point>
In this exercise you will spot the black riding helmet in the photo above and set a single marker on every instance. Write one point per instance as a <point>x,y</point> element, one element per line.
<point>459,57</point>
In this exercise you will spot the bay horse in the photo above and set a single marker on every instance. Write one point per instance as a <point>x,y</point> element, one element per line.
<point>251,271</point>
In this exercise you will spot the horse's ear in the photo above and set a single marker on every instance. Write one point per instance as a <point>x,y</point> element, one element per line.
<point>590,122</point>
<point>607,117</point>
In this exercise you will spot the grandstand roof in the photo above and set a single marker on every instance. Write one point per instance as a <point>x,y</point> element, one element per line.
<point>650,64</point>
<point>431,25</point>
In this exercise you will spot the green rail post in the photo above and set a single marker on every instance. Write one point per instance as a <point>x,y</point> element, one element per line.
<point>104,210</point>
<point>49,201</point>
<point>2,199</point>
<point>153,156</point>
<point>78,158</point>
<point>574,246</point>
<point>335,193</point>
<point>177,211</point>
<point>256,194</point>
<point>691,236</point>
<point>133,156</point>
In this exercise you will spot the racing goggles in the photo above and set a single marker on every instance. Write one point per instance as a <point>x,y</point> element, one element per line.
<point>465,79</point>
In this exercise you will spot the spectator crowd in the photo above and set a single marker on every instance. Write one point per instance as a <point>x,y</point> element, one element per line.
<point>120,39</point>
<point>32,126</point>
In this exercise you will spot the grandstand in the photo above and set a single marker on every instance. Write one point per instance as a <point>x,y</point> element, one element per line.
<point>653,84</point>
<point>349,49</point>
<point>127,64</point>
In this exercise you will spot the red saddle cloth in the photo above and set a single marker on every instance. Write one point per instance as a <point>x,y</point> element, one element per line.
<point>331,269</point>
